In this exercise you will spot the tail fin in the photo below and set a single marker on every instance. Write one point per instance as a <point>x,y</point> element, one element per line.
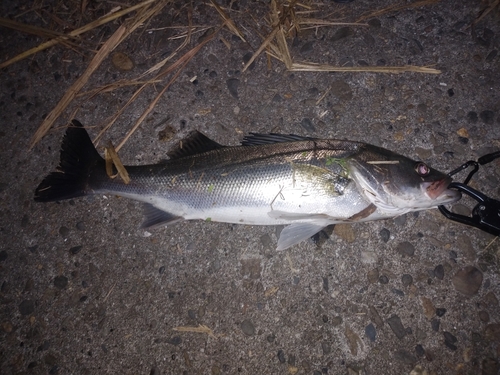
<point>79,159</point>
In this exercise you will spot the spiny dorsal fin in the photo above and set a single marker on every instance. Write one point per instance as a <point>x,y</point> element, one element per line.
<point>194,143</point>
<point>256,139</point>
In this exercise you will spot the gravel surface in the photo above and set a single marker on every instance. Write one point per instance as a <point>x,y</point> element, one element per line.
<point>84,291</point>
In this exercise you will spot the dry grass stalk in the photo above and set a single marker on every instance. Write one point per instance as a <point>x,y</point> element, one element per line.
<point>112,158</point>
<point>200,329</point>
<point>397,7</point>
<point>485,11</point>
<point>181,63</point>
<point>72,34</point>
<point>227,20</point>
<point>284,21</point>
<point>119,35</point>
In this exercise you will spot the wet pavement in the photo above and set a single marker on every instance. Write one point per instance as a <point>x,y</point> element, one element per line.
<point>83,290</point>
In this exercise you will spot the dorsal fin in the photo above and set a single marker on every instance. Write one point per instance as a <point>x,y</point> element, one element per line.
<point>194,143</point>
<point>256,139</point>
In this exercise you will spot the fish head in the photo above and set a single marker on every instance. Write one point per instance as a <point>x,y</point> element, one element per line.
<point>397,184</point>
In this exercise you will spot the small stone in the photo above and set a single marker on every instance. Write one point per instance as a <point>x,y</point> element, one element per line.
<point>342,33</point>
<point>462,132</point>
<point>440,312</point>
<point>176,340</point>
<point>341,90</point>
<point>121,61</point>
<point>385,235</point>
<point>80,225</point>
<point>405,249</point>
<point>247,327</point>
<point>419,350</point>
<point>233,85</point>
<point>397,326</point>
<point>371,332</point>
<point>270,338</point>
<point>492,332</point>
<point>468,280</point>
<point>373,275</point>
<point>308,126</point>
<point>307,47</point>
<point>484,316</point>
<point>63,231</point>
<point>404,356</point>
<point>3,256</point>
<point>491,56</point>
<point>345,231</point>
<point>435,323</point>
<point>60,282</point>
<point>352,340</point>
<point>487,116</point>
<point>75,249</point>
<point>472,117</point>
<point>406,279</point>
<point>428,306</point>
<point>336,321</point>
<point>26,307</point>
<point>383,279</point>
<point>281,356</point>
<point>439,272</point>
<point>246,58</point>
<point>375,317</point>
<point>490,366</point>
<point>326,348</point>
<point>251,268</point>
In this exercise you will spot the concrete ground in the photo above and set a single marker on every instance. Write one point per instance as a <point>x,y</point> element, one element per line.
<point>84,291</point>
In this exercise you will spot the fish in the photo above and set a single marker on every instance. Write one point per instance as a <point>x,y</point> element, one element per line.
<point>303,183</point>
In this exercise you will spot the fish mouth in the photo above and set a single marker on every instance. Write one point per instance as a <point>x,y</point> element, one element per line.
<point>438,190</point>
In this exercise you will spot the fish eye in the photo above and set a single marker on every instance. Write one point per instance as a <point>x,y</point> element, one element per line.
<point>422,169</point>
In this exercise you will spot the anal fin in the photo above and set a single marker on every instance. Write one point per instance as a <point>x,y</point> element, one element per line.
<point>298,232</point>
<point>154,217</point>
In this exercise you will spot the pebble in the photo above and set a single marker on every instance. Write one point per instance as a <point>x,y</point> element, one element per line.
<point>326,348</point>
<point>26,307</point>
<point>385,234</point>
<point>468,280</point>
<point>352,339</point>
<point>307,47</point>
<point>345,231</point>
<point>375,317</point>
<point>336,321</point>
<point>233,85</point>
<point>342,33</point>
<point>63,231</point>
<point>472,117</point>
<point>405,249</point>
<point>487,116</point>
<point>397,326</point>
<point>308,126</point>
<point>490,366</point>
<point>341,90</point>
<point>281,356</point>
<point>121,61</point>
<point>428,306</point>
<point>371,332</point>
<point>404,356</point>
<point>484,316</point>
<point>419,350</point>
<point>251,268</point>
<point>176,340</point>
<point>373,275</point>
<point>246,58</point>
<point>450,340</point>
<point>440,311</point>
<point>383,279</point>
<point>435,323</point>
<point>247,327</point>
<point>491,55</point>
<point>406,279</point>
<point>492,332</point>
<point>439,272</point>
<point>3,256</point>
<point>75,249</point>
<point>60,282</point>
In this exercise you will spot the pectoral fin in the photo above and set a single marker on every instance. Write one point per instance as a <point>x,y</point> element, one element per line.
<point>298,232</point>
<point>154,217</point>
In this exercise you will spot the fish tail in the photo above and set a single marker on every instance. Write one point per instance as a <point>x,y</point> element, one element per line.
<point>78,160</point>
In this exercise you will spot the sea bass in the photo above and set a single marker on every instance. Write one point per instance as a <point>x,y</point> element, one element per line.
<point>302,182</point>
